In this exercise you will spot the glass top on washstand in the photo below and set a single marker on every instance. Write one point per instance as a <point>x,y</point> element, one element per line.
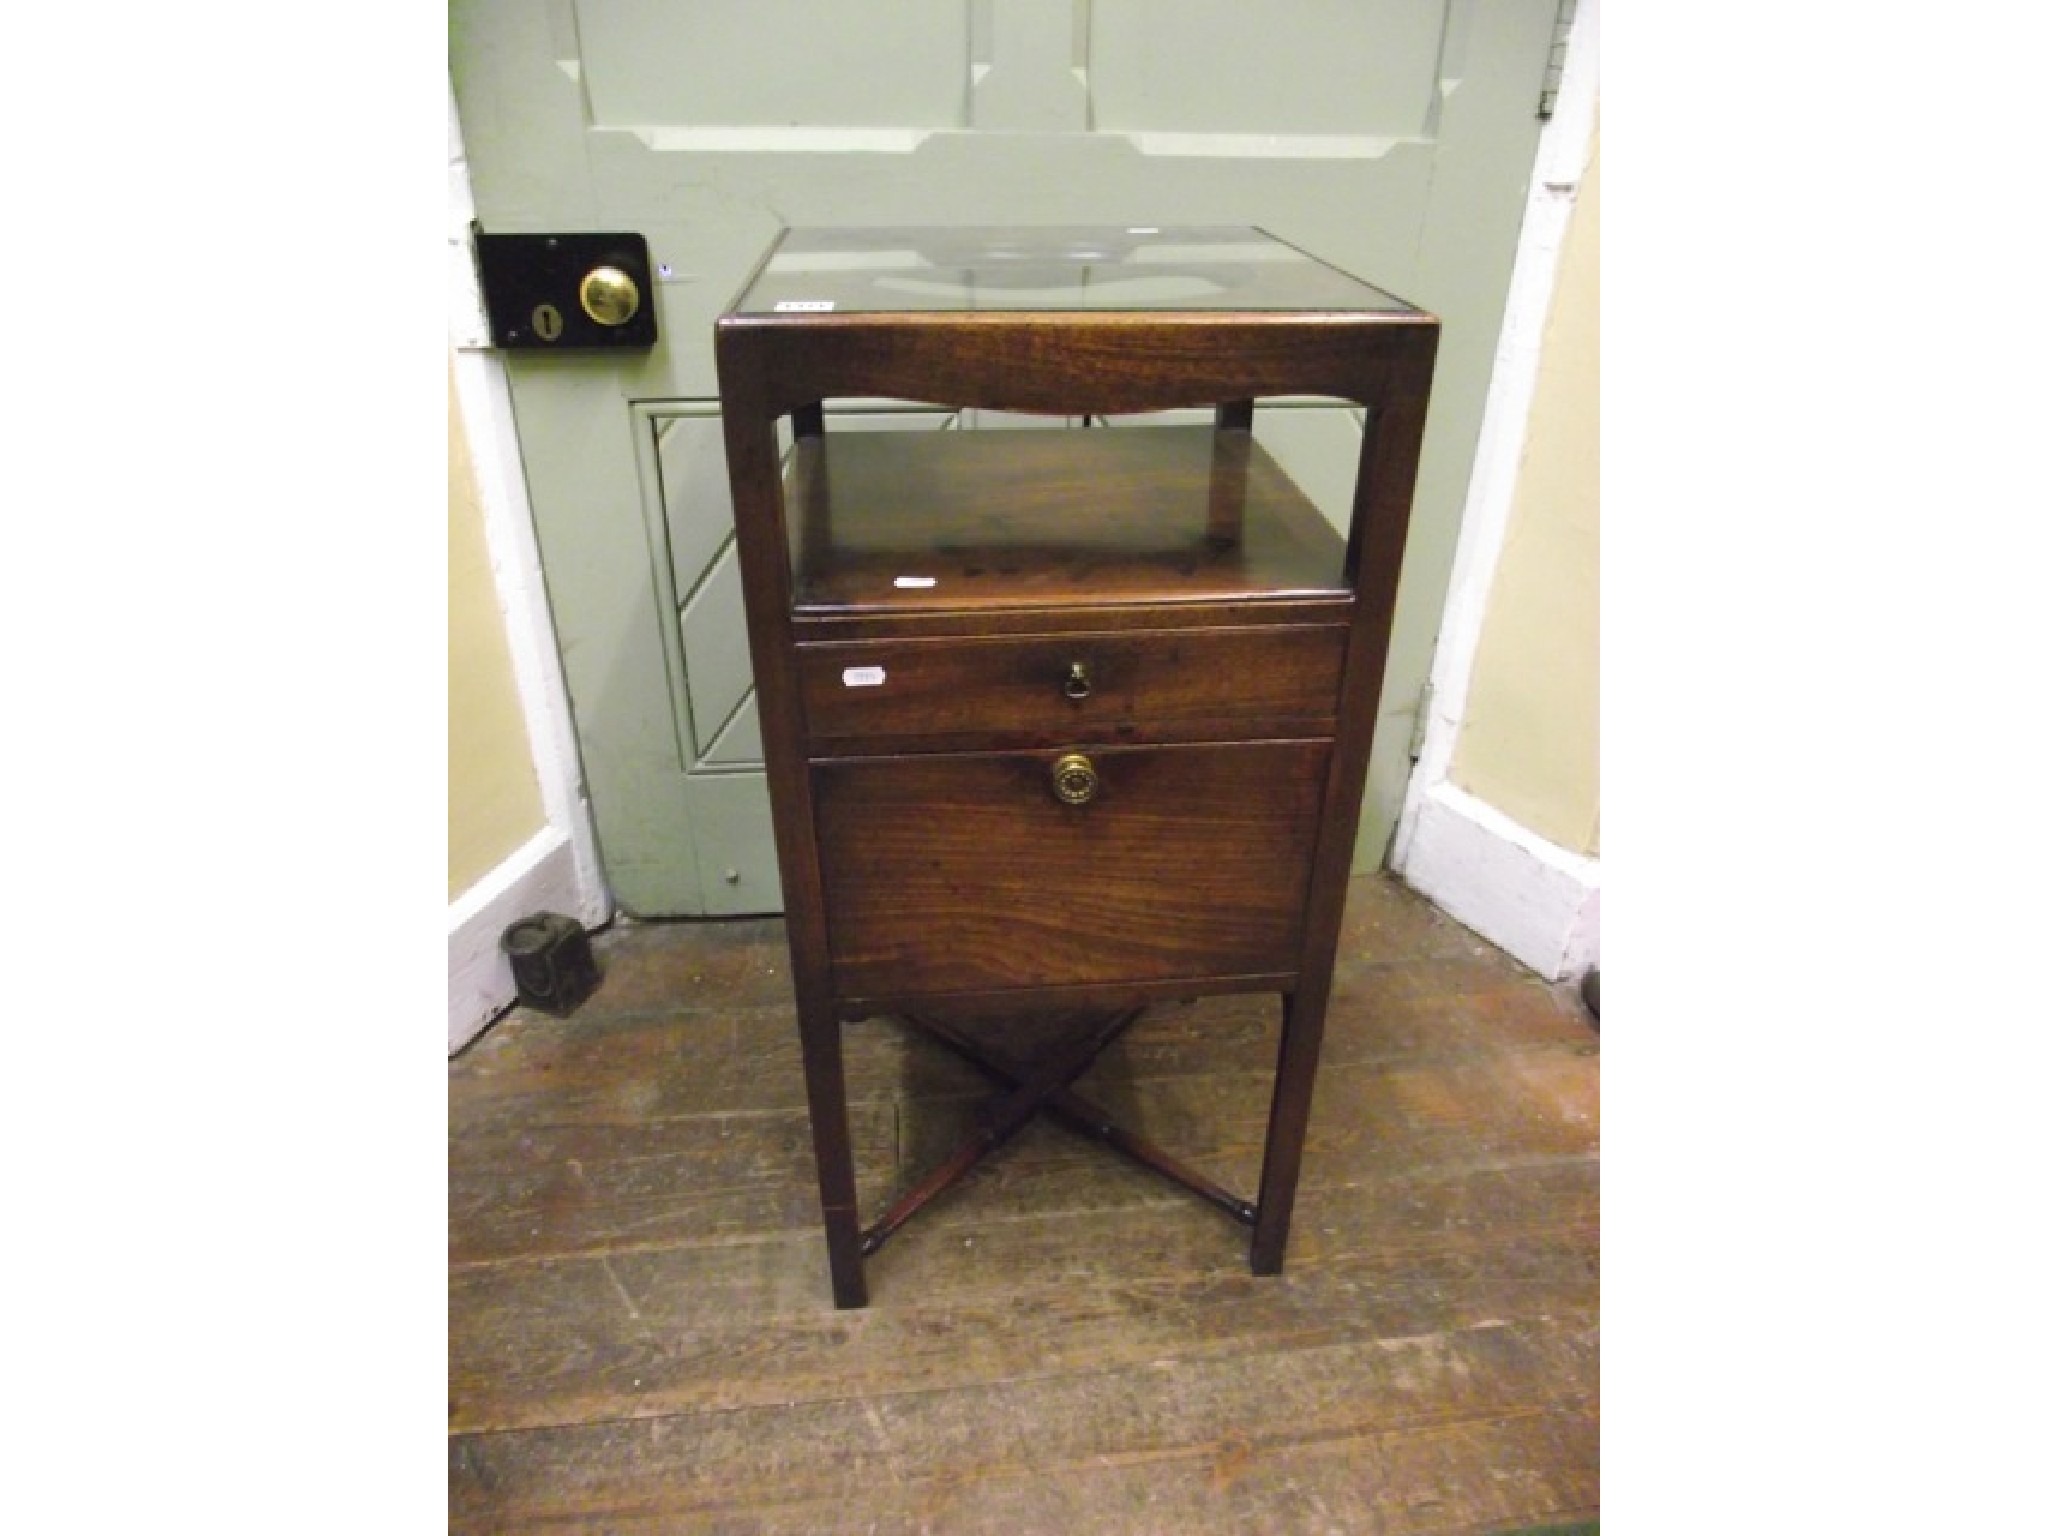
<point>1064,268</point>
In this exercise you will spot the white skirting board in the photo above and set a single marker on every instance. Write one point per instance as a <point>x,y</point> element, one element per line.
<point>540,877</point>
<point>1534,899</point>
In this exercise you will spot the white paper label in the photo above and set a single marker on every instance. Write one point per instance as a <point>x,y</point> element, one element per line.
<point>917,581</point>
<point>802,306</point>
<point>863,677</point>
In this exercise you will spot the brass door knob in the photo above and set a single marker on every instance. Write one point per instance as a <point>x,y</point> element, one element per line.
<point>1078,684</point>
<point>1074,780</point>
<point>609,296</point>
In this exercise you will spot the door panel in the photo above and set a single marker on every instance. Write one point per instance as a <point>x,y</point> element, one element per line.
<point>718,676</point>
<point>696,511</point>
<point>739,744</point>
<point>1392,137</point>
<point>726,63</point>
<point>1355,70</point>
<point>735,845</point>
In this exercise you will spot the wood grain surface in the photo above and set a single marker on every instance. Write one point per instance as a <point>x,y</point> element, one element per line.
<point>928,879</point>
<point>1023,692</point>
<point>963,873</point>
<point>642,1337</point>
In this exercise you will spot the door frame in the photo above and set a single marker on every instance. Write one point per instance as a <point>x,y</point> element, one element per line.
<point>1538,901</point>
<point>557,869</point>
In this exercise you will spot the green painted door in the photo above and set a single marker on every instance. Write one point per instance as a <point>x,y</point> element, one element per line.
<point>1391,137</point>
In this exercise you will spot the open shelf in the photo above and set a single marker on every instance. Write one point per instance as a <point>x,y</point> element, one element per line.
<point>919,522</point>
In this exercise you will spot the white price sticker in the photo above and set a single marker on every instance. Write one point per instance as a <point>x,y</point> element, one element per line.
<point>864,677</point>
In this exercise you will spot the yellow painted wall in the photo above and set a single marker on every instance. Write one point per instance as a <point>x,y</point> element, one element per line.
<point>1530,746</point>
<point>494,803</point>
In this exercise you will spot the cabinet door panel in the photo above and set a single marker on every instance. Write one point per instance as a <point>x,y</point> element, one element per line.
<point>964,873</point>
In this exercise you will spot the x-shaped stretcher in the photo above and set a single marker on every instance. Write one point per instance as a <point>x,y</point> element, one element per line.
<point>1044,1084</point>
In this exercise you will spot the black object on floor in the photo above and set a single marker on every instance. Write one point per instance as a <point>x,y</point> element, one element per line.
<point>1589,989</point>
<point>552,964</point>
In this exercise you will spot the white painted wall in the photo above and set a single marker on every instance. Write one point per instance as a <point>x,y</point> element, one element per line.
<point>557,870</point>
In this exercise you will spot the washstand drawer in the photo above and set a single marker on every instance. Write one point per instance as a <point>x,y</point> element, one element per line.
<point>968,872</point>
<point>1054,687</point>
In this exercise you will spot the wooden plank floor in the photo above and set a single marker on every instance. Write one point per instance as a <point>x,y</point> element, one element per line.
<point>641,1331</point>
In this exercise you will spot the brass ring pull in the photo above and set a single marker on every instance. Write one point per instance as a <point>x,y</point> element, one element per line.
<point>1074,779</point>
<point>1079,684</point>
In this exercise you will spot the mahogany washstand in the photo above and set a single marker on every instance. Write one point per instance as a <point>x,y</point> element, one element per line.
<point>1061,723</point>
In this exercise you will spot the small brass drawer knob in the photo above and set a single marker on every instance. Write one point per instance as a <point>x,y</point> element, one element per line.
<point>1074,779</point>
<point>1078,684</point>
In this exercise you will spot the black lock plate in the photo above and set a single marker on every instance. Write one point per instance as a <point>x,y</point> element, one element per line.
<point>541,297</point>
